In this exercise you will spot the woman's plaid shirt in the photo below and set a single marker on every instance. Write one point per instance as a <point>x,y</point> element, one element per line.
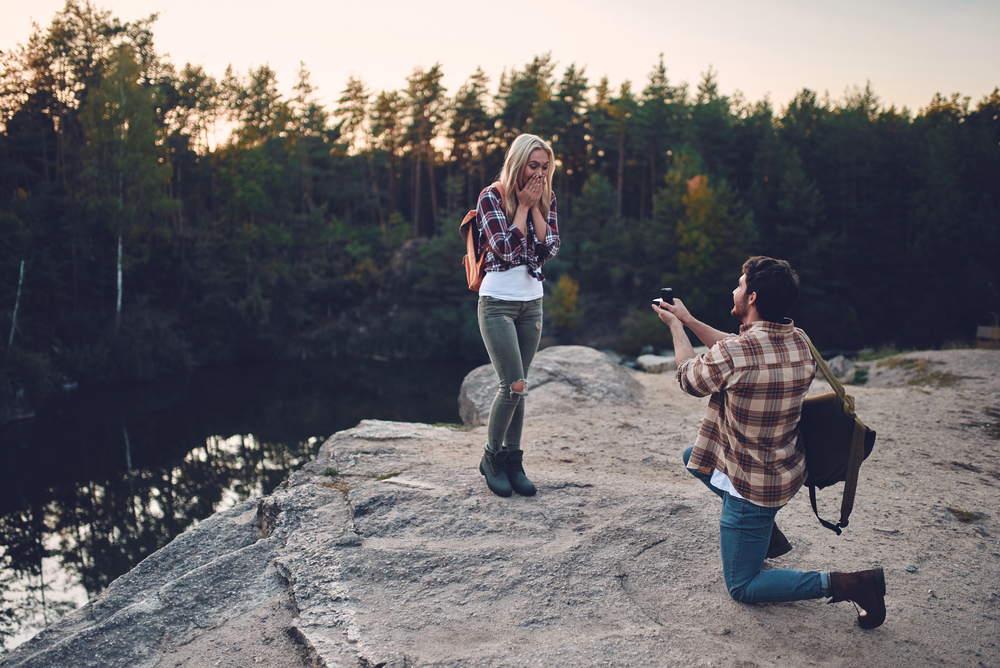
<point>751,427</point>
<point>506,247</point>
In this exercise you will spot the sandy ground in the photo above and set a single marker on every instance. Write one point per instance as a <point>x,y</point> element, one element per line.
<point>615,561</point>
<point>926,511</point>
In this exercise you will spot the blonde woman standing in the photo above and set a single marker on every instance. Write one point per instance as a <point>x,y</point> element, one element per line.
<point>520,231</point>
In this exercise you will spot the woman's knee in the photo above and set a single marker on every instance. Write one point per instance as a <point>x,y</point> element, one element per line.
<point>687,455</point>
<point>513,391</point>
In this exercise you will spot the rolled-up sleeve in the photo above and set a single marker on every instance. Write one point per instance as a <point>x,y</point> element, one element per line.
<point>503,240</point>
<point>550,246</point>
<point>707,373</point>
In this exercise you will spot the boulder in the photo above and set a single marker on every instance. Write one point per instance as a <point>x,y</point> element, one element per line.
<point>842,368</point>
<point>656,363</point>
<point>661,363</point>
<point>560,377</point>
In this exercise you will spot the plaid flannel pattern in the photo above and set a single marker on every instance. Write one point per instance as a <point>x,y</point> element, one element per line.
<point>506,247</point>
<point>757,381</point>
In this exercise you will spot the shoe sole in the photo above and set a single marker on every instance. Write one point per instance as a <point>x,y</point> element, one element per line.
<point>874,618</point>
<point>531,493</point>
<point>500,492</point>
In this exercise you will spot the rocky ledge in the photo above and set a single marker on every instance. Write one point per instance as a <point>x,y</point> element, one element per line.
<point>388,550</point>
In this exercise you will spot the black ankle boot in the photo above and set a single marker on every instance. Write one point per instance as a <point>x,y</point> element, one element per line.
<point>515,473</point>
<point>779,545</point>
<point>493,467</point>
<point>867,589</point>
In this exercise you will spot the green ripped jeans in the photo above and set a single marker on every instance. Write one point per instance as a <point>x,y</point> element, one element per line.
<point>511,331</point>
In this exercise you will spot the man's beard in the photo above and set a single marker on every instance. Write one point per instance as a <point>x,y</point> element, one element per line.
<point>740,308</point>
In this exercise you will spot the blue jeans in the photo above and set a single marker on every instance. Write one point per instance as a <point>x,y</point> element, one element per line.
<point>744,534</point>
<point>511,331</point>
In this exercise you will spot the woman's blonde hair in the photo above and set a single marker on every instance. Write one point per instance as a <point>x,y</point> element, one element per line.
<point>513,165</point>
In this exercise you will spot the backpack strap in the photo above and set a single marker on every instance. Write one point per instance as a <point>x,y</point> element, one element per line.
<point>471,220</point>
<point>812,501</point>
<point>853,472</point>
<point>830,377</point>
<point>503,200</point>
<point>857,453</point>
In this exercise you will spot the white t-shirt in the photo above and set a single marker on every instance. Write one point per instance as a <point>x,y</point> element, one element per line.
<point>513,285</point>
<point>721,481</point>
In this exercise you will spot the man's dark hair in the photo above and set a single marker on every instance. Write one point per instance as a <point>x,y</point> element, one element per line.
<point>776,285</point>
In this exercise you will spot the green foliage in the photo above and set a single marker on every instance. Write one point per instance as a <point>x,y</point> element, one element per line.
<point>255,224</point>
<point>524,96</point>
<point>561,306</point>
<point>596,205</point>
<point>714,236</point>
<point>640,329</point>
<point>146,345</point>
<point>123,180</point>
<point>395,231</point>
<point>882,353</point>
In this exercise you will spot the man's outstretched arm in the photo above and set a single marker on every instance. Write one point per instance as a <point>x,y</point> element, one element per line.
<point>677,317</point>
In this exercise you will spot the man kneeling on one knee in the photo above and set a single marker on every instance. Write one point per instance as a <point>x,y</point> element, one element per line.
<point>748,451</point>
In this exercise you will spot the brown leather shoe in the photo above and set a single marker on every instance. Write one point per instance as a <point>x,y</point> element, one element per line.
<point>779,545</point>
<point>867,589</point>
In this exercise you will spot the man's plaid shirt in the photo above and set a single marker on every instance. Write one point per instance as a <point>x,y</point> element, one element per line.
<point>750,431</point>
<point>506,247</point>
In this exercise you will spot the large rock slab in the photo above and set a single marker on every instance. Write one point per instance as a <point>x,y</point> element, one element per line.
<point>220,569</point>
<point>561,378</point>
<point>388,550</point>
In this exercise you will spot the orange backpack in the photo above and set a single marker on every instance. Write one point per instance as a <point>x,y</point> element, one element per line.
<point>475,252</point>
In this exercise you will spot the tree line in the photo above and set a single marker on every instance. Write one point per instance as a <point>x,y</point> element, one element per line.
<point>167,217</point>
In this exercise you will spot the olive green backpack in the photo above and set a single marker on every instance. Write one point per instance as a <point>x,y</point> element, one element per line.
<point>836,442</point>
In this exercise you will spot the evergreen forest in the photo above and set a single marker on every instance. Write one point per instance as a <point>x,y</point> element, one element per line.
<point>155,217</point>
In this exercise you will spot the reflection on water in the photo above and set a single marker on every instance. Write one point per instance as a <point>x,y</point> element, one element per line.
<point>104,477</point>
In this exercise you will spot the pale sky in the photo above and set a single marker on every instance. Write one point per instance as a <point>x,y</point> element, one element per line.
<point>908,49</point>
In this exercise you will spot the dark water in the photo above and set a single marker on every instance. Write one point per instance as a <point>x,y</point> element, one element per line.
<point>103,477</point>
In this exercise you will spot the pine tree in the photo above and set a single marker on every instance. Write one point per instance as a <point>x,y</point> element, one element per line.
<point>125,172</point>
<point>427,103</point>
